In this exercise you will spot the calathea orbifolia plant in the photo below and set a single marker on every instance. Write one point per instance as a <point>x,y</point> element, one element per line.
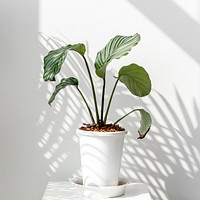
<point>133,76</point>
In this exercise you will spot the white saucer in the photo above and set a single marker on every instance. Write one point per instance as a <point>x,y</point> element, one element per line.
<point>99,192</point>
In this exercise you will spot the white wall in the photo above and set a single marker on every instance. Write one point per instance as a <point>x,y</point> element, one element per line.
<point>38,144</point>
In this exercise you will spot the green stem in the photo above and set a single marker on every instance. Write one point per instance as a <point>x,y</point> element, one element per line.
<point>126,115</point>
<point>109,103</point>
<point>93,90</point>
<point>102,100</point>
<point>89,110</point>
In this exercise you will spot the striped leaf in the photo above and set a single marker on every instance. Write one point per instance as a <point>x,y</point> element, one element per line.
<point>63,83</point>
<point>116,48</point>
<point>136,79</point>
<point>55,58</point>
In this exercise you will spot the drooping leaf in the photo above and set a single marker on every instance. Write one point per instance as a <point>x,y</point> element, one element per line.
<point>116,48</point>
<point>63,83</point>
<point>55,58</point>
<point>136,79</point>
<point>145,123</point>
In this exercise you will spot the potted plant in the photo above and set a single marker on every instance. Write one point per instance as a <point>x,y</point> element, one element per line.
<point>101,144</point>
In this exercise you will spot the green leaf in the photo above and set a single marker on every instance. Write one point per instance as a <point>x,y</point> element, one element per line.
<point>64,82</point>
<point>116,48</point>
<point>145,123</point>
<point>55,58</point>
<point>136,79</point>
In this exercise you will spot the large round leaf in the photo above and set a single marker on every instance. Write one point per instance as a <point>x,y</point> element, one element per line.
<point>55,58</point>
<point>116,48</point>
<point>136,79</point>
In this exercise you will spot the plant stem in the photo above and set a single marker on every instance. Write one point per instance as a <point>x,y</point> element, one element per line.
<point>109,103</point>
<point>89,110</point>
<point>93,90</point>
<point>125,116</point>
<point>102,100</point>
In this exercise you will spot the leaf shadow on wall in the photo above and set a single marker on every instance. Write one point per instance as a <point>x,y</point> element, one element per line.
<point>174,22</point>
<point>58,123</point>
<point>167,155</point>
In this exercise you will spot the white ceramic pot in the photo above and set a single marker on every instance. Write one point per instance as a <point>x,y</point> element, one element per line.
<point>101,154</point>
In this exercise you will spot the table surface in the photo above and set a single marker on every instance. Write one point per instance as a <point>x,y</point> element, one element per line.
<point>67,191</point>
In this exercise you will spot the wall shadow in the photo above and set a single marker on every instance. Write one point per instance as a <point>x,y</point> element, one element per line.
<point>168,158</point>
<point>21,168</point>
<point>59,143</point>
<point>31,155</point>
<point>174,22</point>
<point>169,154</point>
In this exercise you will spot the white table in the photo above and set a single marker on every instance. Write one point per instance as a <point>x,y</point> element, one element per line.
<point>67,191</point>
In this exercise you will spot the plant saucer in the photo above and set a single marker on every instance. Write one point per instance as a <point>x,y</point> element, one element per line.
<point>99,192</point>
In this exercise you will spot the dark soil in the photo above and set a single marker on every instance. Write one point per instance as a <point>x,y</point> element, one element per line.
<point>98,128</point>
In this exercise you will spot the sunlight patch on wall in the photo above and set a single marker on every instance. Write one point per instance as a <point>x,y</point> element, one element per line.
<point>191,7</point>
